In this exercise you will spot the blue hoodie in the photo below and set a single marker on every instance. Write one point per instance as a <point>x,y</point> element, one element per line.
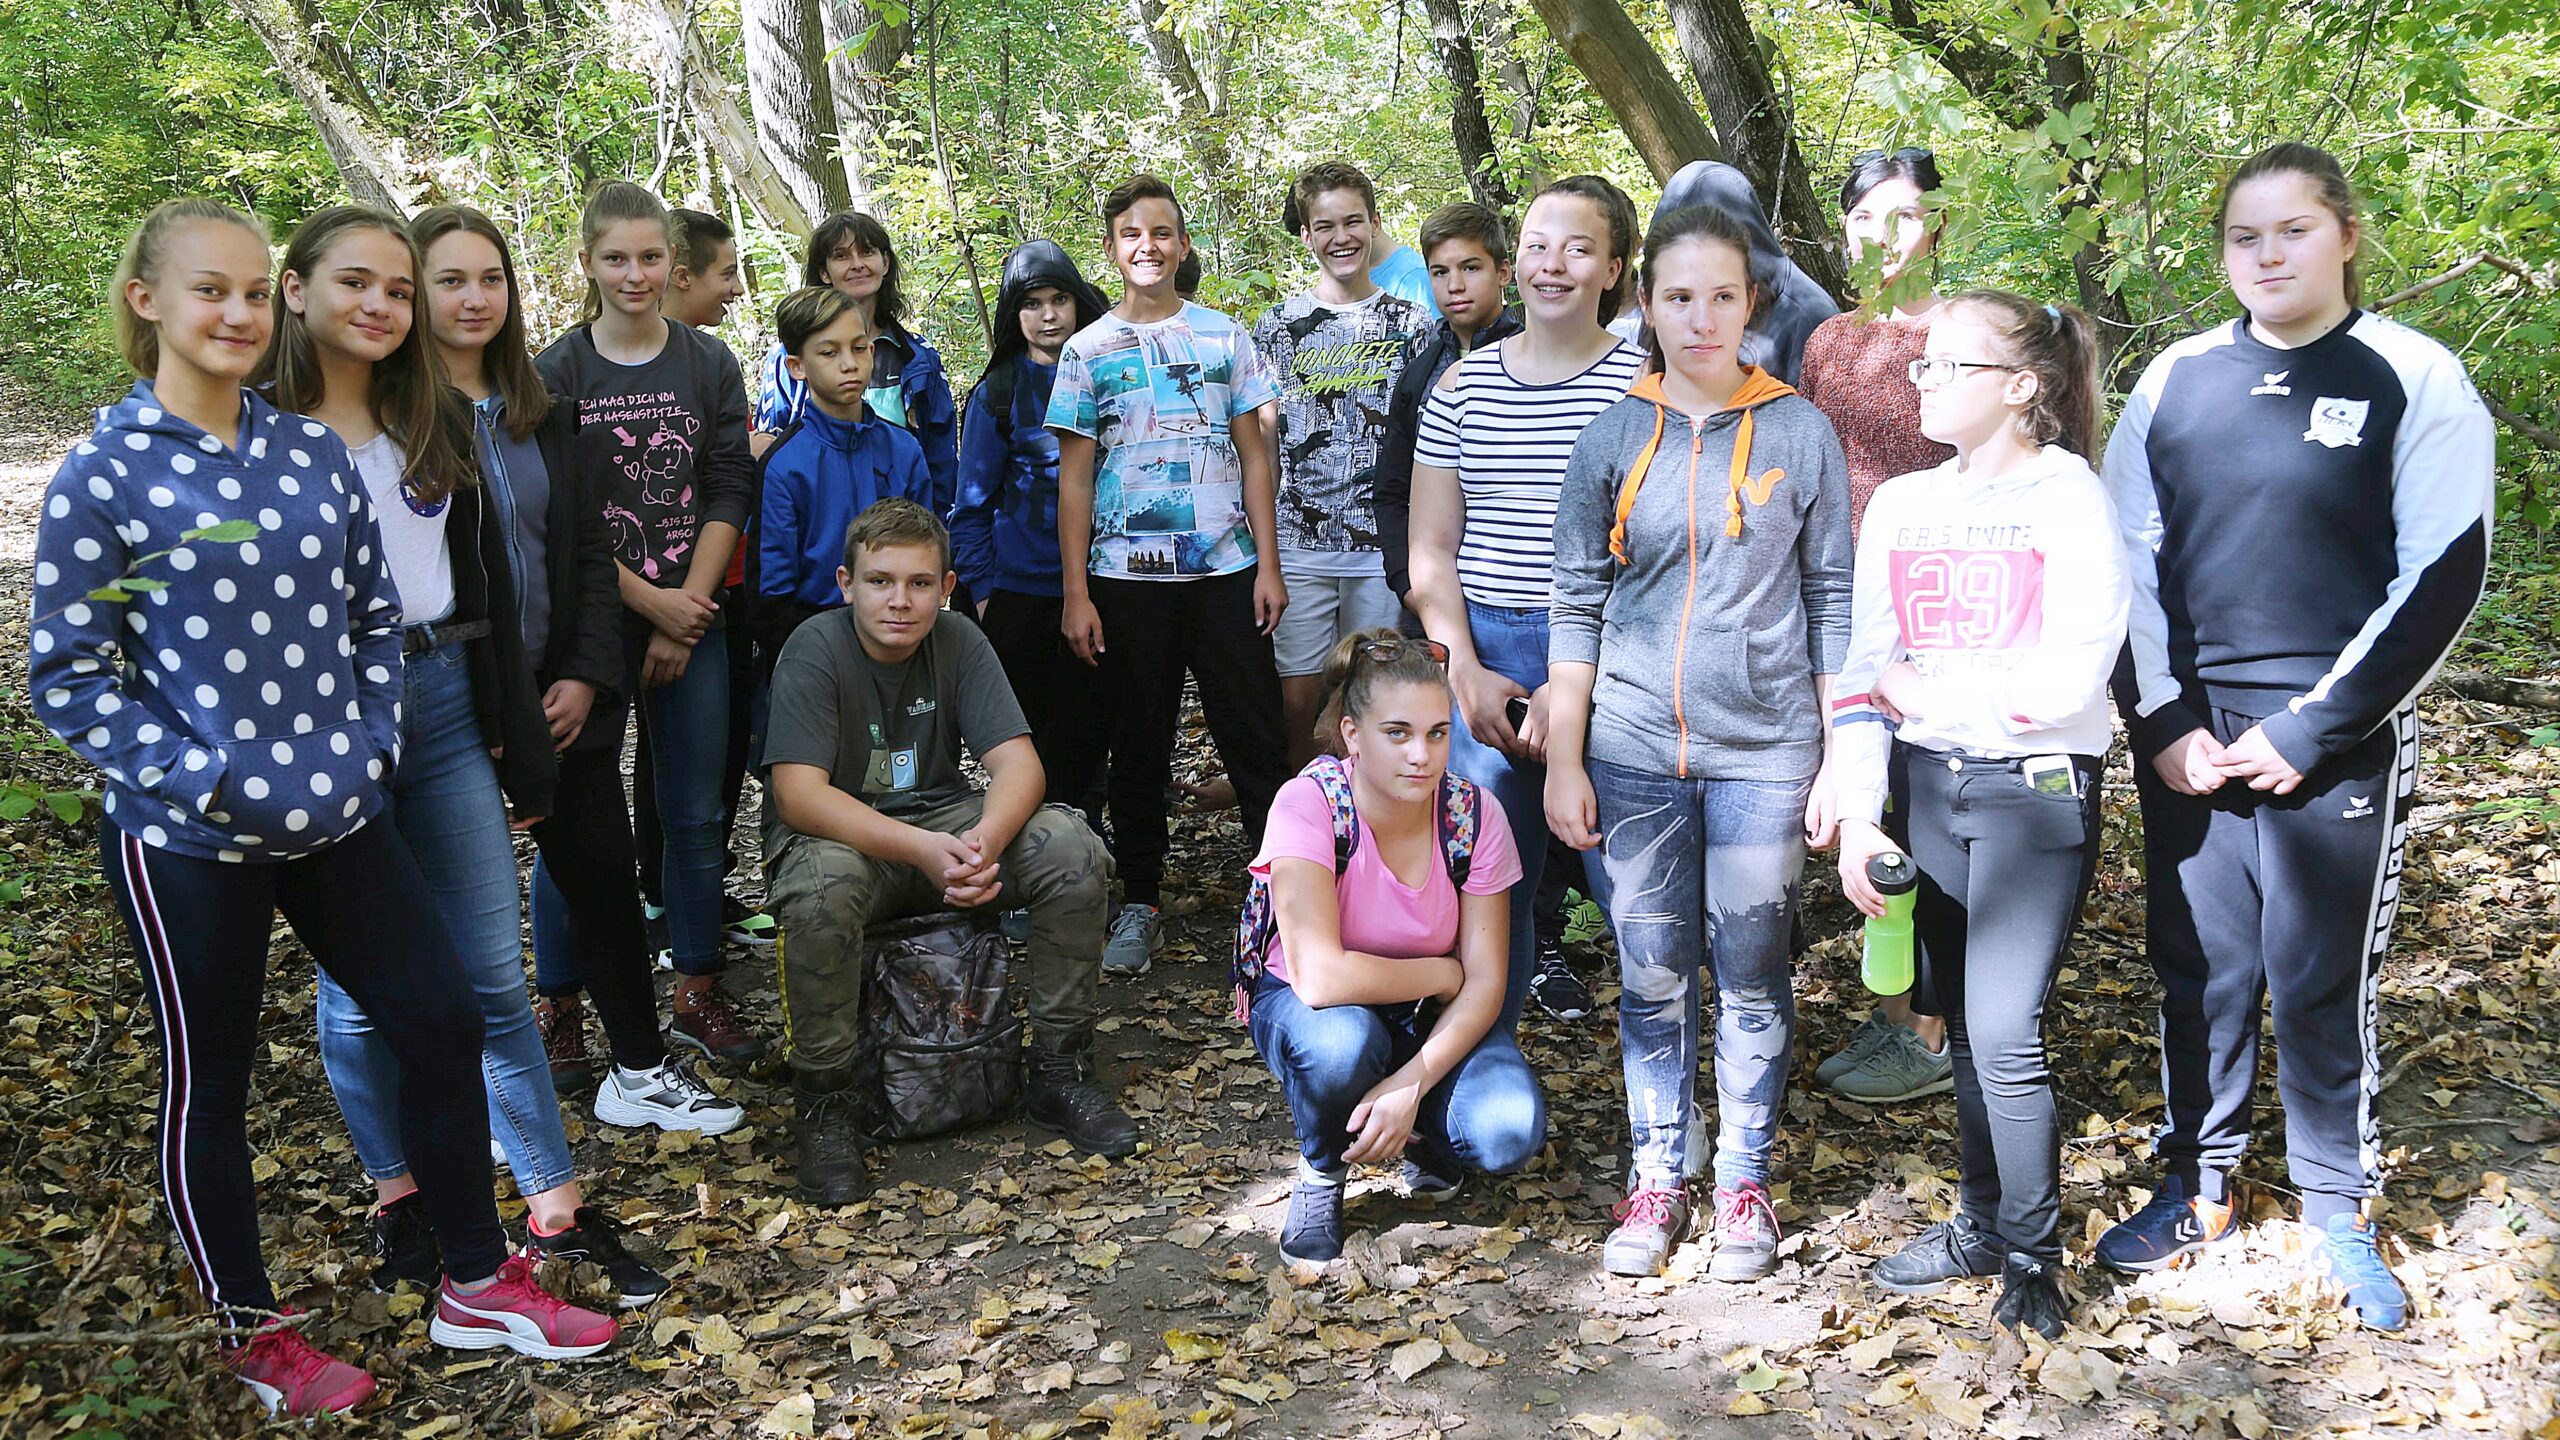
<point>250,710</point>
<point>915,396</point>
<point>1004,522</point>
<point>817,477</point>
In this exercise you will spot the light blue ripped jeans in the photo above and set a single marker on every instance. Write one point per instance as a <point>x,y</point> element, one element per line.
<point>1698,868</point>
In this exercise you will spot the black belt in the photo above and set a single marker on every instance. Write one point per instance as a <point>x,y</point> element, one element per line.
<point>419,639</point>
<point>1960,760</point>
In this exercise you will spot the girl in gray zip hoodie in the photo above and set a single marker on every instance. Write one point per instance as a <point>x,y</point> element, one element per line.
<point>1701,605</point>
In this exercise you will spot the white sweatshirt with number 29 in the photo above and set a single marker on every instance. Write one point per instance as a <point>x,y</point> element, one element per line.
<point>2007,595</point>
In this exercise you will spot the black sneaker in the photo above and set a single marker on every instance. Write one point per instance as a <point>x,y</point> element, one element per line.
<point>2031,1297</point>
<point>596,1239</point>
<point>1556,988</point>
<point>406,1244</point>
<point>1946,1252</point>
<point>743,924</point>
<point>1060,1098</point>
<point>1313,1232</point>
<point>1431,1177</point>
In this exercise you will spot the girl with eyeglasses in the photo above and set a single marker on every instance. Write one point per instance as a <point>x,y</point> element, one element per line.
<point>1376,945</point>
<point>1990,607</point>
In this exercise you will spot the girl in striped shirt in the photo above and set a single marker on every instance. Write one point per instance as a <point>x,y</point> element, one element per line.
<point>1488,465</point>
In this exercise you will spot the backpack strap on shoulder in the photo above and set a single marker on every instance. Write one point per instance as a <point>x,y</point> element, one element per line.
<point>1461,810</point>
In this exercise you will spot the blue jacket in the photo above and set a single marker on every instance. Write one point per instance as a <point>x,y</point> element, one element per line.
<point>817,477</point>
<point>1004,527</point>
<point>919,402</point>
<point>249,710</point>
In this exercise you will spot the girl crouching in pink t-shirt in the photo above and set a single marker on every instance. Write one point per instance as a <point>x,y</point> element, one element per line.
<point>1383,973</point>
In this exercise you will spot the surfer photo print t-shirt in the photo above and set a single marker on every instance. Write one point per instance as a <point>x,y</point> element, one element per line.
<point>1157,400</point>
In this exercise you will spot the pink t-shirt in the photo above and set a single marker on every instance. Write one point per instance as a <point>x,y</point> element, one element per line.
<point>1381,915</point>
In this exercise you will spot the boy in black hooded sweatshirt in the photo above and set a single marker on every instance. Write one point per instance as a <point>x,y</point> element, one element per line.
<point>1004,524</point>
<point>1796,304</point>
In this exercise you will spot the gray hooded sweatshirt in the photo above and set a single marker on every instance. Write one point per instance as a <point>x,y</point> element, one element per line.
<point>1709,611</point>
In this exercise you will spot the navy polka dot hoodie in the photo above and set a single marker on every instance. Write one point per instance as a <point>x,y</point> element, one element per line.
<point>250,711</point>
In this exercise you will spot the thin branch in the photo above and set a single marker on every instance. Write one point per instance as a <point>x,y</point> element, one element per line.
<point>157,1335</point>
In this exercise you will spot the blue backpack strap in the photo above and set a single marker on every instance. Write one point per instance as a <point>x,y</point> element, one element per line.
<point>1256,926</point>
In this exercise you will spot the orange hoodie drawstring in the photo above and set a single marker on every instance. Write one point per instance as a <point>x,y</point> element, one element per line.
<point>1759,387</point>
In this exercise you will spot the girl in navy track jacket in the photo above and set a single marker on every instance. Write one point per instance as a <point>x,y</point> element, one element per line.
<point>2306,495</point>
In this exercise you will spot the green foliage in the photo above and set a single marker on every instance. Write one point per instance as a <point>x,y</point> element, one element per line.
<point>110,1404</point>
<point>1007,119</point>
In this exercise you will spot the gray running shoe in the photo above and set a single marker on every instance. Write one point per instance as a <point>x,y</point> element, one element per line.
<point>1871,1032</point>
<point>1132,946</point>
<point>1900,1069</point>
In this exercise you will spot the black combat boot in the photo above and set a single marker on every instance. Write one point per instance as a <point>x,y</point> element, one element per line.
<point>833,1170</point>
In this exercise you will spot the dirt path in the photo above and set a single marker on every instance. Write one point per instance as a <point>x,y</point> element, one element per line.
<point>999,1288</point>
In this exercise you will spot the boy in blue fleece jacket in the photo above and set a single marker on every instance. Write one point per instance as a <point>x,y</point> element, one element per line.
<point>834,462</point>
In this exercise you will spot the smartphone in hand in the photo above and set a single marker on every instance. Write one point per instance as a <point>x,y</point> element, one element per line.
<point>1516,709</point>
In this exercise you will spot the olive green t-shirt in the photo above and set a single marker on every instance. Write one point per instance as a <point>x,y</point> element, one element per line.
<point>889,735</point>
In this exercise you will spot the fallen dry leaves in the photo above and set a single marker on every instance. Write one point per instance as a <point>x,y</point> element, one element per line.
<point>1000,1287</point>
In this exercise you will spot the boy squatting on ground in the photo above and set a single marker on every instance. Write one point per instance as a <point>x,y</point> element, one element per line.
<point>871,819</point>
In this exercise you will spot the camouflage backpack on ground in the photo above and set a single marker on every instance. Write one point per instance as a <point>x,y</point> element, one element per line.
<point>942,1046</point>
<point>1256,927</point>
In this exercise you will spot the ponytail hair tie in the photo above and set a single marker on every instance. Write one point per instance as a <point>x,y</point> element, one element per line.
<point>2052,313</point>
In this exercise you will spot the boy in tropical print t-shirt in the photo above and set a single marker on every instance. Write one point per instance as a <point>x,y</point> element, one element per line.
<point>1163,416</point>
<point>1338,350</point>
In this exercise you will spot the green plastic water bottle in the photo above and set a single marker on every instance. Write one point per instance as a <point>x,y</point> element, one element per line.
<point>1887,966</point>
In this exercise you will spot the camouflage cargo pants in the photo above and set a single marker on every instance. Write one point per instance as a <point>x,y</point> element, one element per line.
<point>827,895</point>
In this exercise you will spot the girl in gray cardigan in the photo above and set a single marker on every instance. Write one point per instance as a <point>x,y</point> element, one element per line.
<point>1701,607</point>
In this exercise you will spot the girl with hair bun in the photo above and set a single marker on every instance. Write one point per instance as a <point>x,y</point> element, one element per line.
<point>1375,946</point>
<point>1989,608</point>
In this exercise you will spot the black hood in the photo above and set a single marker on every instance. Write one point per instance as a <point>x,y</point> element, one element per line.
<point>1043,262</point>
<point>1798,303</point>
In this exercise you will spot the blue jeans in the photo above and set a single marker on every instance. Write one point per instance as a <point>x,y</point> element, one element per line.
<point>1700,869</point>
<point>1486,1116</point>
<point>1512,644</point>
<point>688,724</point>
<point>447,807</point>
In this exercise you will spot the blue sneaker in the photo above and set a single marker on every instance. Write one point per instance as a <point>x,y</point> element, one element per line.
<point>2163,1234</point>
<point>2351,1261</point>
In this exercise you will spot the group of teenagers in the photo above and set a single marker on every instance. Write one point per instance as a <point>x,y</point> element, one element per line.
<point>1447,561</point>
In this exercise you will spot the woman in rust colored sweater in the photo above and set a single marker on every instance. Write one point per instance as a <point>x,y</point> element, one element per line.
<point>1857,372</point>
<point>1856,364</point>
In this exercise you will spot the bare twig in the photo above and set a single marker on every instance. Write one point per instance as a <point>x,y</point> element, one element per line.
<point>2542,435</point>
<point>161,1335</point>
<point>2503,690</point>
<point>2411,1057</point>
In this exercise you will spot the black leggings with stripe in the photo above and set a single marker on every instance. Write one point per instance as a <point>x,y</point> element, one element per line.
<point>200,931</point>
<point>2256,898</point>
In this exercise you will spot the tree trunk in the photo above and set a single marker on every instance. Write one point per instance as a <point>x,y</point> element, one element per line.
<point>792,102</point>
<point>1638,88</point>
<point>696,76</point>
<point>1202,127</point>
<point>857,71</point>
<point>1724,55</point>
<point>317,73</point>
<point>2070,82</point>
<point>1469,130</point>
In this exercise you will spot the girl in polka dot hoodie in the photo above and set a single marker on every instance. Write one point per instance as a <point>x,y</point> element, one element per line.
<point>250,709</point>
<point>243,700</point>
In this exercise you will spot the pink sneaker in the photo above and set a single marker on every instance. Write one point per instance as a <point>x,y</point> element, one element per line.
<point>516,1314</point>
<point>292,1378</point>
<point>1746,1233</point>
